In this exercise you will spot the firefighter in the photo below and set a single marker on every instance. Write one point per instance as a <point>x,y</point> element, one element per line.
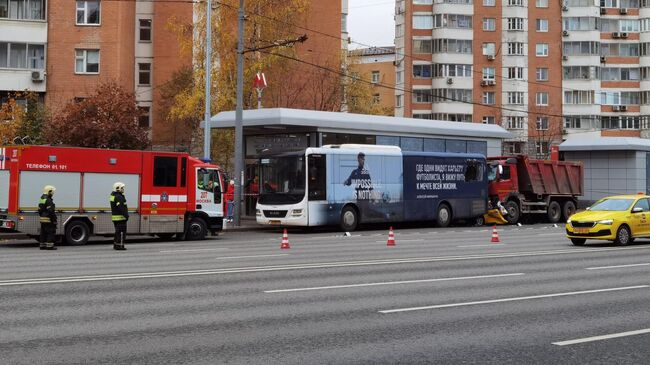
<point>119,215</point>
<point>47,216</point>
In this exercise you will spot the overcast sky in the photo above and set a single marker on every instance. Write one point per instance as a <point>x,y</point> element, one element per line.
<point>371,22</point>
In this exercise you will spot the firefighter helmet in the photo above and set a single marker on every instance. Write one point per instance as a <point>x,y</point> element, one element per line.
<point>48,189</point>
<point>119,187</point>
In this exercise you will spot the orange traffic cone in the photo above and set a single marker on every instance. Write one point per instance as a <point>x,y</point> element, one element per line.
<point>391,237</point>
<point>285,240</point>
<point>495,235</point>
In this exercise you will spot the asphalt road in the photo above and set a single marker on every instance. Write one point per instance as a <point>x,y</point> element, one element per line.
<point>440,296</point>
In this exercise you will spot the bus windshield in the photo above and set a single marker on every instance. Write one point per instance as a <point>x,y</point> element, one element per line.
<point>282,180</point>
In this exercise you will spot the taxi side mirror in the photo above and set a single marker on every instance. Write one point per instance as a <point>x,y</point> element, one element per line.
<point>637,210</point>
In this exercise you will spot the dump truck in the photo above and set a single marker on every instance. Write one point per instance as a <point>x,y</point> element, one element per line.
<point>168,193</point>
<point>535,189</point>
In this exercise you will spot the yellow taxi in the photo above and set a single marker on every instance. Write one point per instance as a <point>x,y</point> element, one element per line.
<point>620,219</point>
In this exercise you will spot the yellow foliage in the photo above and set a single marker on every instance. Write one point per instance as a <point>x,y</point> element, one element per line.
<point>11,118</point>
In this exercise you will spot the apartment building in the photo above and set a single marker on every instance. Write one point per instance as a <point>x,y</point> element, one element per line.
<point>23,41</point>
<point>484,61</point>
<point>377,64</point>
<point>94,41</point>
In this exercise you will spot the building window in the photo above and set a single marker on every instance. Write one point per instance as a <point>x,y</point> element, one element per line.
<point>515,23</point>
<point>541,74</point>
<point>376,98</point>
<point>398,101</point>
<point>22,9</point>
<point>422,22</point>
<point>144,120</point>
<point>542,123</point>
<point>22,55</point>
<point>541,99</point>
<point>88,12</point>
<point>541,148</point>
<point>515,97</point>
<point>515,3</point>
<point>489,2</point>
<point>541,3</point>
<point>488,120</point>
<point>489,24</point>
<point>515,73</point>
<point>422,2</point>
<point>145,30</point>
<point>144,74</point>
<point>398,76</point>
<point>541,25</point>
<point>489,49</point>
<point>515,122</point>
<point>489,98</point>
<point>489,73</point>
<point>422,46</point>
<point>541,49</point>
<point>87,61</point>
<point>515,49</point>
<point>375,77</point>
<point>421,71</point>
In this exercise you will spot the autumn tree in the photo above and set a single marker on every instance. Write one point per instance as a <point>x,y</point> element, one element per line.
<point>22,123</point>
<point>107,119</point>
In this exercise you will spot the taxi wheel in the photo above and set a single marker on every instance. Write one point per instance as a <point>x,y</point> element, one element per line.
<point>623,236</point>
<point>578,241</point>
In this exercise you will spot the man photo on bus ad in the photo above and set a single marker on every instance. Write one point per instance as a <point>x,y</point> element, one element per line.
<point>360,179</point>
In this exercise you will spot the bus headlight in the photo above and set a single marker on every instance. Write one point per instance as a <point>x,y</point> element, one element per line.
<point>296,212</point>
<point>258,213</point>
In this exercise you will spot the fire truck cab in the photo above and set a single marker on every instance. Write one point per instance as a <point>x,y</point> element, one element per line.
<point>167,193</point>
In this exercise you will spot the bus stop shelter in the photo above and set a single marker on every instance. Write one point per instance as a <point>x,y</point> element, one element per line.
<point>279,130</point>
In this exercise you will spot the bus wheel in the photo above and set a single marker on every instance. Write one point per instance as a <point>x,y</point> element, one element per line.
<point>444,215</point>
<point>349,219</point>
<point>196,230</point>
<point>77,233</point>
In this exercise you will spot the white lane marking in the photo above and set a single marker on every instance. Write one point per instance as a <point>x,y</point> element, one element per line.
<point>491,244</point>
<point>603,337</point>
<point>196,250</point>
<point>251,256</point>
<point>615,267</point>
<point>417,240</point>
<point>462,304</point>
<point>390,283</point>
<point>323,265</point>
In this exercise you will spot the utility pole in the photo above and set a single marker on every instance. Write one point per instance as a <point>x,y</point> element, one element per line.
<point>207,128</point>
<point>239,111</point>
<point>239,116</point>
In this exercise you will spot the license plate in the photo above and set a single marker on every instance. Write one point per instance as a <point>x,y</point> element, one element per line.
<point>581,230</point>
<point>275,222</point>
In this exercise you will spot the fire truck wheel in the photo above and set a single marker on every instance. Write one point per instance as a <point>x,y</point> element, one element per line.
<point>196,230</point>
<point>77,233</point>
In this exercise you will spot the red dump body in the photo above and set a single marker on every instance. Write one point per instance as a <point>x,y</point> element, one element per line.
<point>546,177</point>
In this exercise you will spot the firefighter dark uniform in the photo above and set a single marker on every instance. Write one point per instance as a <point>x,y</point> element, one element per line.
<point>47,217</point>
<point>119,215</point>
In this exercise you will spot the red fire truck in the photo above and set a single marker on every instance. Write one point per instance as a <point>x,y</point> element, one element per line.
<point>167,193</point>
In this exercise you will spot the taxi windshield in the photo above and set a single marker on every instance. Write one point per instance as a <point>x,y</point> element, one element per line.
<point>613,205</point>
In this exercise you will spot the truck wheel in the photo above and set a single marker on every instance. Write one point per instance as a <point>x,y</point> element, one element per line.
<point>349,219</point>
<point>480,221</point>
<point>196,230</point>
<point>568,209</point>
<point>513,212</point>
<point>77,233</point>
<point>554,212</point>
<point>444,215</point>
<point>578,241</point>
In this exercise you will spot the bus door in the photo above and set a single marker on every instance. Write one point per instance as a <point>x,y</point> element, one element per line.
<point>317,189</point>
<point>209,192</point>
